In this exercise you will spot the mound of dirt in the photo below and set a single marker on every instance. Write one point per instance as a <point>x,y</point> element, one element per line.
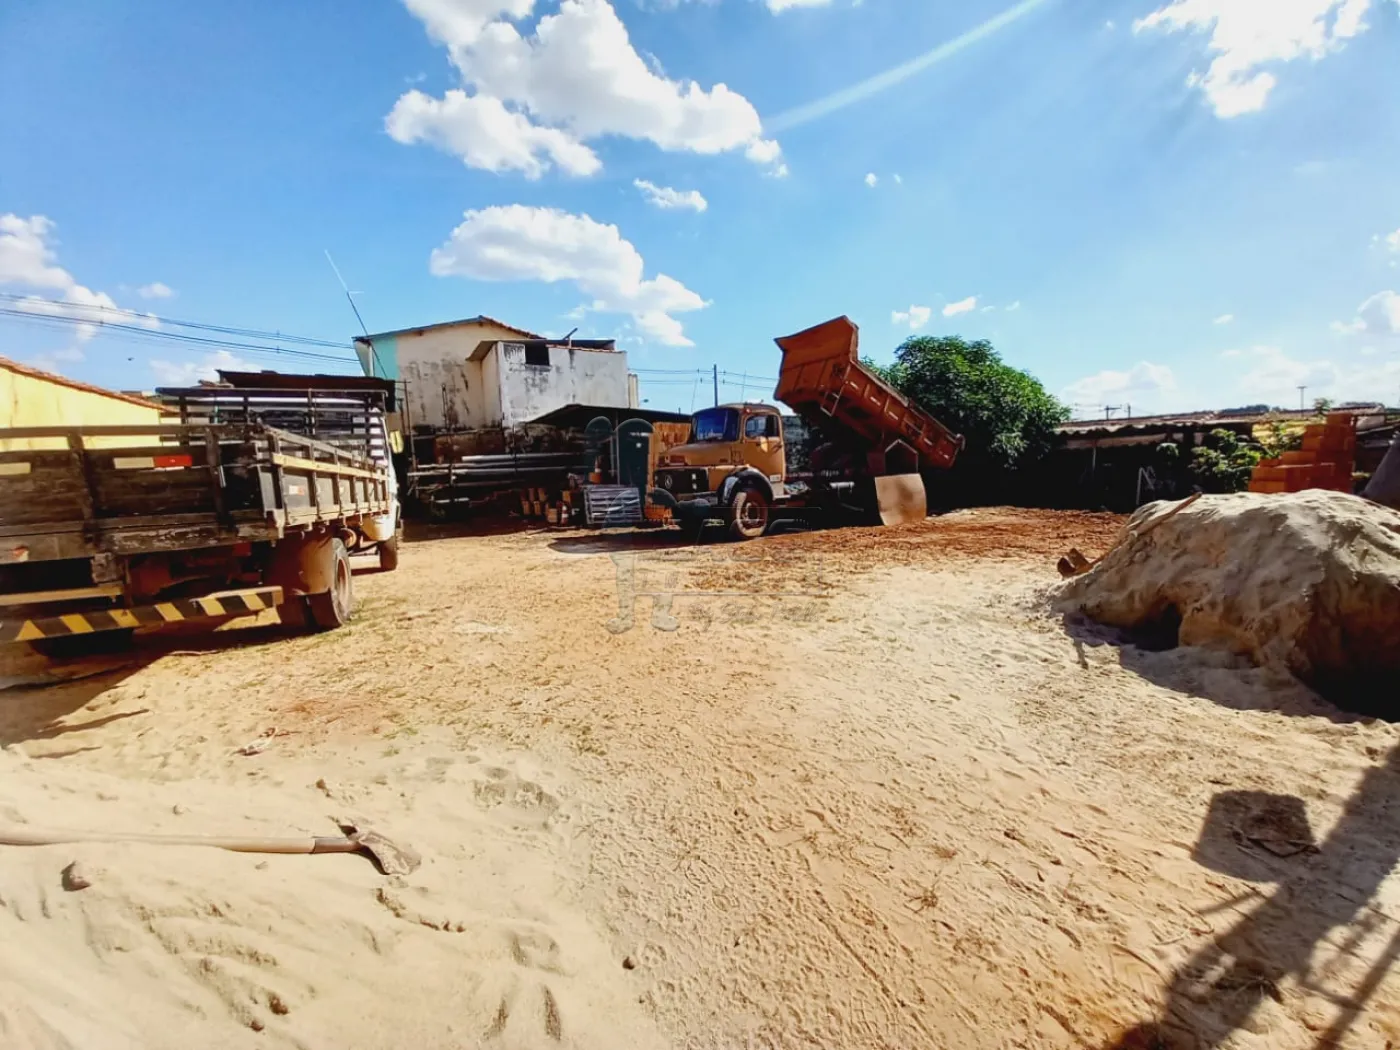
<point>1308,583</point>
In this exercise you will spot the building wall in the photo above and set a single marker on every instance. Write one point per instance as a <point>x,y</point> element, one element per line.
<point>574,376</point>
<point>491,385</point>
<point>443,388</point>
<point>35,401</point>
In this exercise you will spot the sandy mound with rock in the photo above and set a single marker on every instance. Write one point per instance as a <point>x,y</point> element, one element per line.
<point>1308,583</point>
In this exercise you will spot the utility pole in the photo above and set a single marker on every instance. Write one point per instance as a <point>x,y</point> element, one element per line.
<point>717,386</point>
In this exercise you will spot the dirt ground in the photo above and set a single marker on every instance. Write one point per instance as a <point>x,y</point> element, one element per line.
<point>841,789</point>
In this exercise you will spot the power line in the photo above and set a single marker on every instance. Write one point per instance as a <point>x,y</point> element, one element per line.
<point>81,313</point>
<point>158,336</point>
<point>746,376</point>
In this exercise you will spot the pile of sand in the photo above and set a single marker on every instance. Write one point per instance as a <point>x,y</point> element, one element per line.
<point>1308,583</point>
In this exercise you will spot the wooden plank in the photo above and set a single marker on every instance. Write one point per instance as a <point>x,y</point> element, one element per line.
<point>216,476</point>
<point>103,590</point>
<point>125,429</point>
<point>82,468</point>
<point>281,459</point>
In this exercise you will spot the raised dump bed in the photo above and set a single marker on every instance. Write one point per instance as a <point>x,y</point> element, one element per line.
<point>824,382</point>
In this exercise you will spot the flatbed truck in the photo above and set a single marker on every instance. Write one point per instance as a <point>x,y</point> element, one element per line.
<point>217,514</point>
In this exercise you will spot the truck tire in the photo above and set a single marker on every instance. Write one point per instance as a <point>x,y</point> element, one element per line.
<point>749,514</point>
<point>333,608</point>
<point>389,554</point>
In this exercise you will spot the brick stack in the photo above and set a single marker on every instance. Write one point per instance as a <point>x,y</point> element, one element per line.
<point>1324,462</point>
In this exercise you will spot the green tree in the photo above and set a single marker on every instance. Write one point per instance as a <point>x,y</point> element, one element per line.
<point>1224,462</point>
<point>1278,438</point>
<point>1005,414</point>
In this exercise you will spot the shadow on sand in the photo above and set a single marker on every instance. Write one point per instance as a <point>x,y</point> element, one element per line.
<point>1319,887</point>
<point>1231,681</point>
<point>37,693</point>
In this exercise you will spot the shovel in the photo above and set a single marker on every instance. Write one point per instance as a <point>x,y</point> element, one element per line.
<point>1075,564</point>
<point>391,858</point>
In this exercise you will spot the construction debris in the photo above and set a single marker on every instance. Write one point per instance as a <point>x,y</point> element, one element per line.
<point>1307,583</point>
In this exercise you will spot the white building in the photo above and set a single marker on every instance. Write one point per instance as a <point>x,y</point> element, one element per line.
<point>480,372</point>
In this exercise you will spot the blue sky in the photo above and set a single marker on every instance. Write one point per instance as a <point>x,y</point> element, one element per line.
<point>1168,203</point>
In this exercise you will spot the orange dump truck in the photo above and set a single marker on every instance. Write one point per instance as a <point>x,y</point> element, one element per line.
<point>876,445</point>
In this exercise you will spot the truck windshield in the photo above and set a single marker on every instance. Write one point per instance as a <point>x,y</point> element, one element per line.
<point>715,424</point>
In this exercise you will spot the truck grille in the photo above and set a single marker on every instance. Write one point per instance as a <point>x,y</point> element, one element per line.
<point>686,482</point>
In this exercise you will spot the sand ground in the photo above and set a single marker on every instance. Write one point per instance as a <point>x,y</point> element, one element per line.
<point>845,789</point>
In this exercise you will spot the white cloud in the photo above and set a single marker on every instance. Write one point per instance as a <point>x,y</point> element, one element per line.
<point>459,23</point>
<point>962,306</point>
<point>915,317</point>
<point>28,259</point>
<point>1224,319</point>
<point>519,243</point>
<point>1392,241</point>
<point>1014,307</point>
<point>486,135</point>
<point>54,360</point>
<point>778,6</point>
<point>1145,383</point>
<point>1273,376</point>
<point>666,198</point>
<point>26,256</point>
<point>1378,315</point>
<point>898,179</point>
<point>872,180</point>
<point>1246,35</point>
<point>188,373</point>
<point>535,100</point>
<point>155,290</point>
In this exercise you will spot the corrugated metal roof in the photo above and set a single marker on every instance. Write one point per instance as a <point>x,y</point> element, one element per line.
<point>1212,417</point>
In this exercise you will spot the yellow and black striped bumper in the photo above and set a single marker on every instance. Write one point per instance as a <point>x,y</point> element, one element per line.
<point>225,603</point>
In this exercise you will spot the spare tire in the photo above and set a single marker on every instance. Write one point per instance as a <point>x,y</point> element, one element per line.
<point>389,554</point>
<point>333,608</point>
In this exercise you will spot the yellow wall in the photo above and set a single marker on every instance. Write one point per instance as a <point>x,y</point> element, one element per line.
<point>31,401</point>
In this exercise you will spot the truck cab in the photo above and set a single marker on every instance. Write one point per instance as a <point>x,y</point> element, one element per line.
<point>733,449</point>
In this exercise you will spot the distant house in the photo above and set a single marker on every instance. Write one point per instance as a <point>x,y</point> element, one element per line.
<point>31,397</point>
<point>480,372</point>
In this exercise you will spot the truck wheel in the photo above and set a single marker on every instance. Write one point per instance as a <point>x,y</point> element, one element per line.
<point>389,554</point>
<point>333,608</point>
<point>750,515</point>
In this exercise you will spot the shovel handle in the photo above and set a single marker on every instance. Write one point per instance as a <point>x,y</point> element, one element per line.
<point>25,836</point>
